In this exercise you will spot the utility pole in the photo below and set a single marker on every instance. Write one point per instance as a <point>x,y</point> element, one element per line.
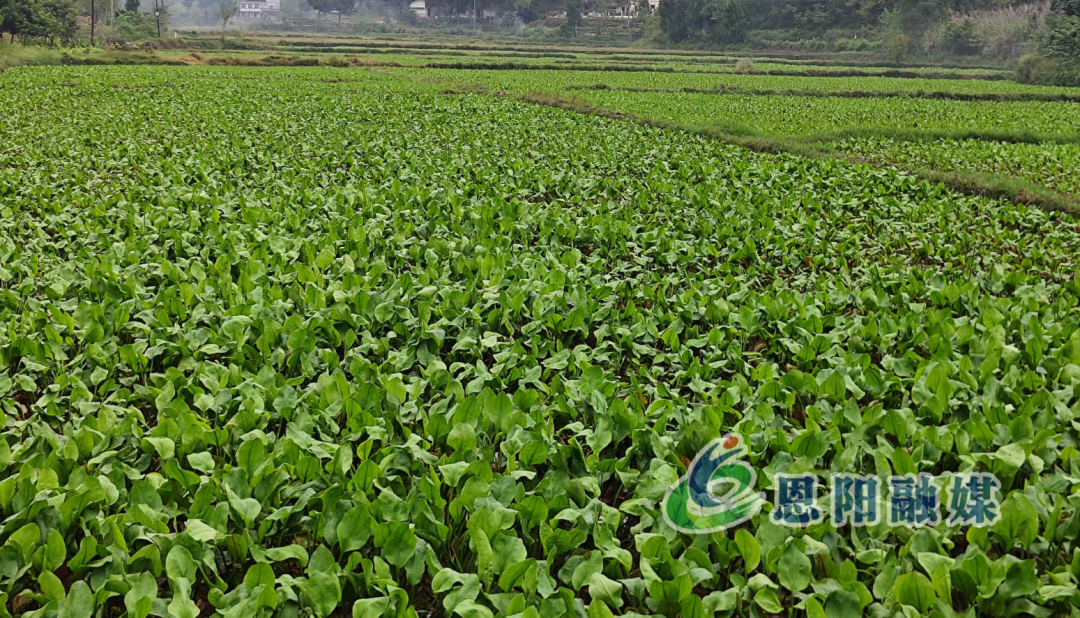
<point>157,18</point>
<point>474,14</point>
<point>93,18</point>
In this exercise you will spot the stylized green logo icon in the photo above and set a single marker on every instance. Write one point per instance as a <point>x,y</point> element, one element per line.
<point>717,491</point>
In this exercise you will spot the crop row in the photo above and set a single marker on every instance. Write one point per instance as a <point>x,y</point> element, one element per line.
<point>796,115</point>
<point>1051,165</point>
<point>552,80</point>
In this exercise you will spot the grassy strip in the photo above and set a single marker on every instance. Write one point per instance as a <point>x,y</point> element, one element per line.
<point>418,45</point>
<point>988,185</point>
<point>108,58</point>
<point>856,94</point>
<point>922,135</point>
<point>877,60</point>
<point>19,55</point>
<point>691,55</point>
<point>188,43</point>
<point>827,62</point>
<point>348,49</point>
<point>121,58</point>
<point>513,66</point>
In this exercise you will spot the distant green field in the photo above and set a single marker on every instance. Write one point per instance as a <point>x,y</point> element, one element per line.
<point>480,55</point>
<point>797,115</point>
<point>556,80</point>
<point>913,123</point>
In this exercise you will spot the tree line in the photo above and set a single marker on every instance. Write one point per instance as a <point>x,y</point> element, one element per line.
<point>57,21</point>
<point>1058,58</point>
<point>728,21</point>
<point>52,21</point>
<point>1051,41</point>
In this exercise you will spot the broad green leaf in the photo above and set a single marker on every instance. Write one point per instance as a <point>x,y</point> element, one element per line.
<point>585,571</point>
<point>354,529</point>
<point>1020,580</point>
<point>180,565</point>
<point>79,602</point>
<point>842,604</point>
<point>55,551</point>
<point>793,569</point>
<point>400,545</point>
<point>200,531</point>
<point>140,597</point>
<point>914,589</point>
<point>181,604</point>
<point>370,608</point>
<point>606,590</point>
<point>288,552</point>
<point>323,592</point>
<point>767,600</point>
<point>748,548</point>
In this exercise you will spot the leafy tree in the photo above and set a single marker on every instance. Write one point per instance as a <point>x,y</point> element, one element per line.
<point>227,12</point>
<point>960,38</point>
<point>454,7</point>
<point>322,6</point>
<point>573,21</point>
<point>527,10</point>
<point>342,7</point>
<point>19,18</point>
<point>1068,8</point>
<point>51,20</point>
<point>730,20</point>
<point>814,19</point>
<point>915,15</point>
<point>898,48</point>
<point>674,22</point>
<point>131,5</point>
<point>1061,41</point>
<point>63,23</point>
<point>7,19</point>
<point>132,26</point>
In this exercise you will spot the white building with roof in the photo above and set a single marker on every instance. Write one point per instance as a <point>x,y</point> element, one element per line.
<point>258,9</point>
<point>420,8</point>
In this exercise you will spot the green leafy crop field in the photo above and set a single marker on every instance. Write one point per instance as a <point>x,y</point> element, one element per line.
<point>411,51</point>
<point>1054,165</point>
<point>992,131</point>
<point>801,115</point>
<point>556,80</point>
<point>324,342</point>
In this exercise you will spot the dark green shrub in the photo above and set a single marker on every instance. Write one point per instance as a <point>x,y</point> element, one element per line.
<point>132,26</point>
<point>1066,7</point>
<point>899,46</point>
<point>1068,74</point>
<point>1061,40</point>
<point>1036,69</point>
<point>960,38</point>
